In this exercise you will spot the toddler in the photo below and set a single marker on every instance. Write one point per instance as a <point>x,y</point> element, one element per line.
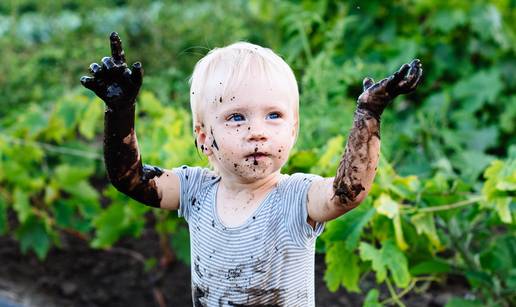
<point>252,229</point>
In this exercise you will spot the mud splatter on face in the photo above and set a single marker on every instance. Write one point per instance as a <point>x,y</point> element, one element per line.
<point>214,143</point>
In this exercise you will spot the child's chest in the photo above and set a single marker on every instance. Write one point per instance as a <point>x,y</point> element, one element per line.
<point>233,210</point>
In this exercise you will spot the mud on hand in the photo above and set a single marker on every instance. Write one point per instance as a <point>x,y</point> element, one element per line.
<point>113,81</point>
<point>376,96</point>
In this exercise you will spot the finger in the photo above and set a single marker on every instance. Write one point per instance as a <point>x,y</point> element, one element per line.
<point>95,69</point>
<point>88,82</point>
<point>93,85</point>
<point>108,63</point>
<point>417,80</point>
<point>401,73</point>
<point>367,82</point>
<point>414,74</point>
<point>116,48</point>
<point>137,73</point>
<point>416,62</point>
<point>413,70</point>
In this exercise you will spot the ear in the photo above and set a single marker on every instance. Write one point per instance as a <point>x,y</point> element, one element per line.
<point>201,136</point>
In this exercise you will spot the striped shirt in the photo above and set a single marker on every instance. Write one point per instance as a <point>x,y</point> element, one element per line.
<point>266,261</point>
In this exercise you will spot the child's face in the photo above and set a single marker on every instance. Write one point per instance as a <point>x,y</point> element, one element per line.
<point>249,135</point>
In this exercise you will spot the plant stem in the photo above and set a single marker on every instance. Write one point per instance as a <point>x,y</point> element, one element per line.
<point>458,204</point>
<point>394,296</point>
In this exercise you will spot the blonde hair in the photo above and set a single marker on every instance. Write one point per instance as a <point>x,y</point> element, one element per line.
<point>224,69</point>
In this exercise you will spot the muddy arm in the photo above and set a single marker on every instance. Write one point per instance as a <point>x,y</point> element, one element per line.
<point>118,86</point>
<point>357,168</point>
<point>332,197</point>
<point>123,161</point>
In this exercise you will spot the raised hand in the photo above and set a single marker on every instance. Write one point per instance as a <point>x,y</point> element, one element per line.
<point>376,96</point>
<point>113,81</point>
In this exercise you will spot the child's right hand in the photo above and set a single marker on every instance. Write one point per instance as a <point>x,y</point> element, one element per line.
<point>114,82</point>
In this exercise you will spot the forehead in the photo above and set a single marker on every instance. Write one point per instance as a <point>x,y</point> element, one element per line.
<point>250,90</point>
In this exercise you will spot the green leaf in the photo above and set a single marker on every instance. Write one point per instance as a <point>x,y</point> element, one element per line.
<point>405,187</point>
<point>180,241</point>
<point>342,268</point>
<point>63,213</point>
<point>501,178</point>
<point>149,104</point>
<point>32,234</point>
<point>487,85</point>
<point>116,221</point>
<point>446,20</point>
<point>369,253</point>
<point>385,205</point>
<point>471,163</point>
<point>433,266</point>
<point>330,158</point>
<point>500,258</point>
<point>479,279</point>
<point>349,227</point>
<point>303,160</point>
<point>424,224</point>
<point>82,190</point>
<point>396,262</point>
<point>91,118</point>
<point>67,175</point>
<point>108,226</point>
<point>22,205</point>
<point>371,299</point>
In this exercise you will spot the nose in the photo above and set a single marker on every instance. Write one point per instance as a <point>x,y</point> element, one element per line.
<point>256,133</point>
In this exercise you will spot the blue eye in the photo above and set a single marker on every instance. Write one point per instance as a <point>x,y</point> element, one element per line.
<point>236,117</point>
<point>273,115</point>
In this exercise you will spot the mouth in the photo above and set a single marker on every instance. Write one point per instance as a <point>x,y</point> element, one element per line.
<point>257,156</point>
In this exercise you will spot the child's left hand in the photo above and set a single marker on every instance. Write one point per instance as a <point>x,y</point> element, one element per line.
<point>376,96</point>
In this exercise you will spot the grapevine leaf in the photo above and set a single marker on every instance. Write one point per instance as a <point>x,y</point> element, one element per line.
<point>342,268</point>
<point>32,234</point>
<point>369,253</point>
<point>385,205</point>
<point>396,262</point>
<point>349,226</point>
<point>22,205</point>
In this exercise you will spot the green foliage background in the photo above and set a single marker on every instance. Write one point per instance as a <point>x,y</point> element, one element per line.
<point>443,199</point>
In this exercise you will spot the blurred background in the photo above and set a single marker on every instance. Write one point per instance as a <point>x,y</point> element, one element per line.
<point>438,228</point>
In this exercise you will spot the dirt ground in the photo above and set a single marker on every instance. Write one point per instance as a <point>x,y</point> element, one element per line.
<point>79,276</point>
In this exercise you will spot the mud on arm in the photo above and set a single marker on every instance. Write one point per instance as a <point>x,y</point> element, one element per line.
<point>357,168</point>
<point>118,87</point>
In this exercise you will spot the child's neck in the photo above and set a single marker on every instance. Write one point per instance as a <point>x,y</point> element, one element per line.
<point>233,185</point>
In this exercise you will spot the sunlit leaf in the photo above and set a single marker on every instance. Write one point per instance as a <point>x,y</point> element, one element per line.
<point>424,224</point>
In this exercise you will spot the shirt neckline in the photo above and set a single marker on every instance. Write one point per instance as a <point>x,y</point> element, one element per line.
<point>250,218</point>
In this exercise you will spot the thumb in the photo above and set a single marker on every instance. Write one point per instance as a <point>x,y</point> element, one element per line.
<point>367,83</point>
<point>137,73</point>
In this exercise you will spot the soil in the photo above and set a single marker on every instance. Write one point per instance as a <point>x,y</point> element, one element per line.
<point>76,275</point>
